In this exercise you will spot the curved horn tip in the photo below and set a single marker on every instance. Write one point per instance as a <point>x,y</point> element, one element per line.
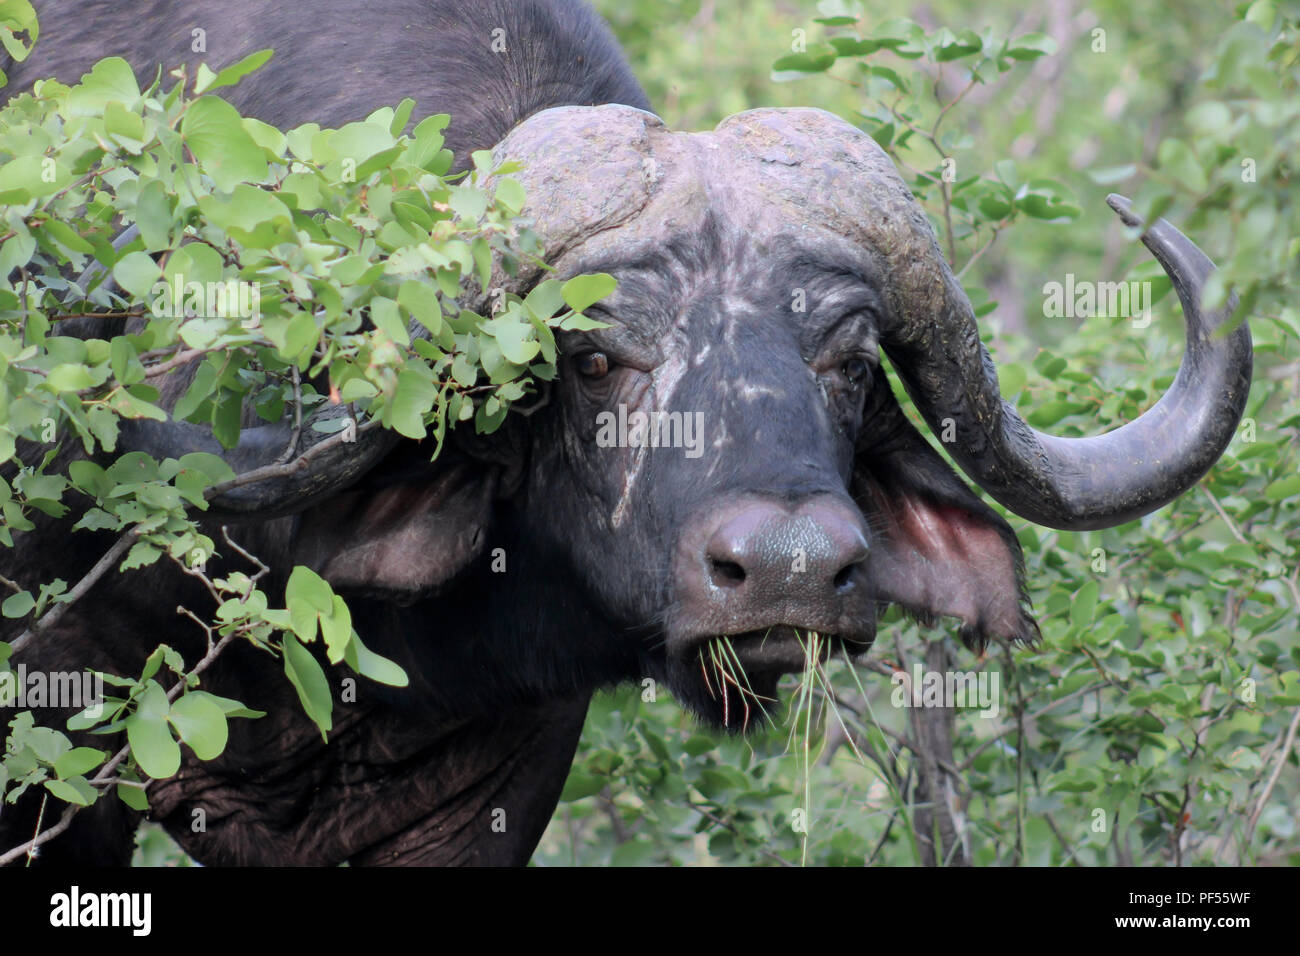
<point>1124,208</point>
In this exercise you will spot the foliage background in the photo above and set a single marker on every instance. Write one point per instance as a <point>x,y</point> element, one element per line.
<point>1156,722</point>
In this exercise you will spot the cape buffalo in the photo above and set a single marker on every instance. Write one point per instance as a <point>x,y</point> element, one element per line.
<point>763,266</point>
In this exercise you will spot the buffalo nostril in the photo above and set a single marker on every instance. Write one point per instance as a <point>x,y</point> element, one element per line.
<point>843,581</point>
<point>726,574</point>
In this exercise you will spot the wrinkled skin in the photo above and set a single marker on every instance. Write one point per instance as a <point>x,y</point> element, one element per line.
<point>732,305</point>
<point>763,267</point>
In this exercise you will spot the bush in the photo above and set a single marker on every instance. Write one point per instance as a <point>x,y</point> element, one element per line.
<point>354,258</point>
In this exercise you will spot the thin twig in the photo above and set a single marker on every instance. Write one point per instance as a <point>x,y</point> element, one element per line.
<point>1232,525</point>
<point>1166,540</point>
<point>997,231</point>
<point>297,418</point>
<point>288,468</point>
<point>1282,754</point>
<point>262,569</point>
<point>176,361</point>
<point>1291,584</point>
<point>934,130</point>
<point>54,614</point>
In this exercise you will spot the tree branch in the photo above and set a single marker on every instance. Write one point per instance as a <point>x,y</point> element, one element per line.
<point>55,614</point>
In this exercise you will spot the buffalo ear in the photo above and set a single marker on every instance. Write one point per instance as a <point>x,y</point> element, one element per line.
<point>406,529</point>
<point>937,549</point>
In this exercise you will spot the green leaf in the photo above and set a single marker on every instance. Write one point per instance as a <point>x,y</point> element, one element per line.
<point>482,253</point>
<point>401,116</point>
<point>250,215</point>
<point>583,291</point>
<point>152,744</point>
<point>137,273</point>
<point>1084,606</point>
<point>90,478</point>
<point>386,317</point>
<point>133,797</point>
<point>1047,200</point>
<point>154,662</point>
<point>336,630</point>
<point>414,398</point>
<point>369,664</point>
<point>635,852</point>
<point>83,795</point>
<point>78,761</point>
<point>18,17</point>
<point>64,236</point>
<point>817,58</point>
<point>903,36</point>
<point>545,300</point>
<point>426,140</point>
<point>125,361</point>
<point>356,389</point>
<point>24,178</point>
<point>229,707</point>
<point>236,71</point>
<point>698,744</point>
<point>468,202</point>
<point>201,724</point>
<point>852,46</point>
<point>224,149</point>
<point>1012,377</point>
<point>1109,175</point>
<point>110,80</point>
<point>515,339</point>
<point>1030,47</point>
<point>68,377</point>
<point>18,605</point>
<point>421,300</point>
<point>1276,491</point>
<point>580,785</point>
<point>215,467</point>
<point>307,595</point>
<point>303,334</point>
<point>225,419</point>
<point>129,405</point>
<point>308,678</point>
<point>141,555</point>
<point>838,13</point>
<point>1074,782</point>
<point>19,249</point>
<point>126,127</point>
<point>955,46</point>
<point>510,194</point>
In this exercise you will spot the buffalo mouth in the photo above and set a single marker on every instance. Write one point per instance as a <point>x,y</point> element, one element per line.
<point>737,674</point>
<point>783,649</point>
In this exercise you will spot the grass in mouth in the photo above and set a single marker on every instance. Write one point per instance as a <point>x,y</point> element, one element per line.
<point>808,713</point>
<point>803,708</point>
<point>813,698</point>
<point>722,659</point>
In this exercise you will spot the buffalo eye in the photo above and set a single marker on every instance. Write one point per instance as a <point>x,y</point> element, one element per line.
<point>855,370</point>
<point>592,365</point>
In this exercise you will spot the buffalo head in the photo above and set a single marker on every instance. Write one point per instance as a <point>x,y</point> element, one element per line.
<point>726,458</point>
